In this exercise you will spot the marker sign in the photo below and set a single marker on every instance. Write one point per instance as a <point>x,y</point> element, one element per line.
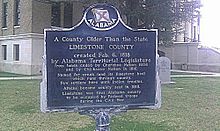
<point>100,63</point>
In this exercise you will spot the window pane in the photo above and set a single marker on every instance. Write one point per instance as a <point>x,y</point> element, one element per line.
<point>68,12</point>
<point>4,52</point>
<point>55,16</point>
<point>16,52</point>
<point>17,12</point>
<point>5,14</point>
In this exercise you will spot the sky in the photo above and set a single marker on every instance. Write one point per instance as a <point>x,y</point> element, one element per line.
<point>210,23</point>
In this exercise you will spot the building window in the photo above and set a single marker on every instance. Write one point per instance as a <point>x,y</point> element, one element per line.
<point>17,13</point>
<point>55,16</point>
<point>4,14</point>
<point>68,13</point>
<point>16,52</point>
<point>4,52</point>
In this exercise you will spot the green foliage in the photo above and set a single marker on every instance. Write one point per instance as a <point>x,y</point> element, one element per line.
<point>168,16</point>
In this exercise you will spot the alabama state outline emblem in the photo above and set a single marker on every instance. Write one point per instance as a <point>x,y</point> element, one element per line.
<point>101,17</point>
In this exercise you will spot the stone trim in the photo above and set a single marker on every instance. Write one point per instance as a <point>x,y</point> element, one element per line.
<point>22,36</point>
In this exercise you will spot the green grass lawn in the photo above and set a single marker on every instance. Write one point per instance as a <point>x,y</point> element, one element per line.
<point>192,104</point>
<point>6,74</point>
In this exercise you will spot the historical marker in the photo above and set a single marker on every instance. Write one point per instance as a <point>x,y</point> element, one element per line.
<point>100,63</point>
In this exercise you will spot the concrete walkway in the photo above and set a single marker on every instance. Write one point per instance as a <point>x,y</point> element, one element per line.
<point>195,74</point>
<point>21,78</point>
<point>191,74</point>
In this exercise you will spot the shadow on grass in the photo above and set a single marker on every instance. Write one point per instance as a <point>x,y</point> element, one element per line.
<point>24,108</point>
<point>123,125</point>
<point>7,74</point>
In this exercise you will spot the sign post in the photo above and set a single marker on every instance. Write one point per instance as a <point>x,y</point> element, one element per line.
<point>100,67</point>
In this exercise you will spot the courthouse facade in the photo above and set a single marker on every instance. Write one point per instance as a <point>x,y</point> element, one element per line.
<point>21,34</point>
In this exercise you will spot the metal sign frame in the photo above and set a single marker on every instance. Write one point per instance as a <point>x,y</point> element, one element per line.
<point>99,107</point>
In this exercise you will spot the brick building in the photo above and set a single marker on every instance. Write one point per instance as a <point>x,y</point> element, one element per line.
<point>21,34</point>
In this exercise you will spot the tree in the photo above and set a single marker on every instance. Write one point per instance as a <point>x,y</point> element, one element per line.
<point>168,16</point>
